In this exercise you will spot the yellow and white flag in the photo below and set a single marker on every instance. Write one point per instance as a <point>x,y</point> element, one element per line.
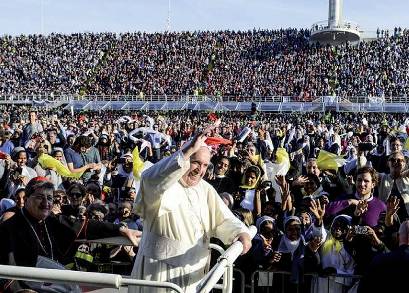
<point>281,165</point>
<point>137,163</point>
<point>48,162</point>
<point>329,161</point>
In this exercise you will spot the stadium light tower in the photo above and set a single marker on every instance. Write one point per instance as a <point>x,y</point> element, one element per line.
<point>42,16</point>
<point>168,19</point>
<point>335,30</point>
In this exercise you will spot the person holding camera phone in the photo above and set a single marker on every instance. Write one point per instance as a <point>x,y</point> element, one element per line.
<point>396,183</point>
<point>20,173</point>
<point>388,272</point>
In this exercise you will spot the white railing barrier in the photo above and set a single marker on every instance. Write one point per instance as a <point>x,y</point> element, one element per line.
<point>85,278</point>
<point>224,265</point>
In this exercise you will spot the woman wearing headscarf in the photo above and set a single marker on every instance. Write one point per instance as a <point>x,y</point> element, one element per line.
<point>336,257</point>
<point>263,251</point>
<point>297,255</point>
<point>311,190</point>
<point>312,221</point>
<point>248,193</point>
<point>264,245</point>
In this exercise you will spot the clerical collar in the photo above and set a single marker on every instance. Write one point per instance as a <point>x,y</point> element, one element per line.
<point>30,217</point>
<point>360,198</point>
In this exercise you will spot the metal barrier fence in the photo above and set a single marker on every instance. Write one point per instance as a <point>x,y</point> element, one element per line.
<point>220,104</point>
<point>263,281</point>
<point>21,98</point>
<point>223,267</point>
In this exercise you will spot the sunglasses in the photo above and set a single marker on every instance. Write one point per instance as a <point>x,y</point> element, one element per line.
<point>395,160</point>
<point>76,195</point>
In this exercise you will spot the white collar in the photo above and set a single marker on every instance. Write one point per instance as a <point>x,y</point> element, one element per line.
<point>366,199</point>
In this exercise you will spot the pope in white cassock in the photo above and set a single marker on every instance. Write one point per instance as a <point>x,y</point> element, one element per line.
<point>181,212</point>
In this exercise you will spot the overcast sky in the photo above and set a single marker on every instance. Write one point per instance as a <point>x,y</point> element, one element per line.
<point>37,16</point>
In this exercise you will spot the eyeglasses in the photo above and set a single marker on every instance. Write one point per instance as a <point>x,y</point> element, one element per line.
<point>42,197</point>
<point>396,160</point>
<point>76,195</point>
<point>93,192</point>
<point>310,183</point>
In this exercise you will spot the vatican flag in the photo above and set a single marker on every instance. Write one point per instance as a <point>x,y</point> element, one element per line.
<point>48,162</point>
<point>329,161</point>
<point>137,163</point>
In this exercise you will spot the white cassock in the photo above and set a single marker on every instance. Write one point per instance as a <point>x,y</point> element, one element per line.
<point>178,222</point>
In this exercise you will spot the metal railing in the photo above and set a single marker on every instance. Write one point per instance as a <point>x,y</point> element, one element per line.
<point>74,277</point>
<point>278,281</point>
<point>323,25</point>
<point>191,98</point>
<point>224,266</point>
<point>222,104</point>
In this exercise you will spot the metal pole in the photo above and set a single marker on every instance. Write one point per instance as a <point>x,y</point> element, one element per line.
<point>59,276</point>
<point>226,259</point>
<point>155,284</point>
<point>168,20</point>
<point>42,17</point>
<point>67,276</point>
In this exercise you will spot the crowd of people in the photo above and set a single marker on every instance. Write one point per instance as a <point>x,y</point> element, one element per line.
<point>270,169</point>
<point>225,63</point>
<point>54,64</point>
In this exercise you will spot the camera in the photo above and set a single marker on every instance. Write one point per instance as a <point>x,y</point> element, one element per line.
<point>37,137</point>
<point>266,185</point>
<point>360,230</point>
<point>16,174</point>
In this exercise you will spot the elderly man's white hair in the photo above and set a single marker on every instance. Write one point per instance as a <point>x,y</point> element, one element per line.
<point>404,233</point>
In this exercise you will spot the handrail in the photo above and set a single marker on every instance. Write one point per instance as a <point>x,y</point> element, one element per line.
<point>87,278</point>
<point>13,98</point>
<point>312,274</point>
<point>224,261</point>
<point>227,103</point>
<point>224,266</point>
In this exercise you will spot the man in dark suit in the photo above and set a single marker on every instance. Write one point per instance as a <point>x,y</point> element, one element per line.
<point>33,231</point>
<point>389,272</point>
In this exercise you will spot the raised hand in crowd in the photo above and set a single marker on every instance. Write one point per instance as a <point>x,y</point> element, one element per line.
<point>318,210</point>
<point>392,207</point>
<point>300,181</point>
<point>361,208</point>
<point>286,198</point>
